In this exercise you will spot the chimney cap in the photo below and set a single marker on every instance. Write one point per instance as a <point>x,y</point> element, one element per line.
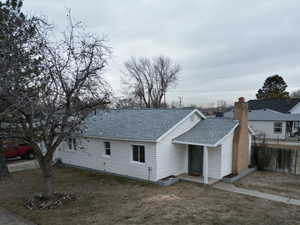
<point>241,99</point>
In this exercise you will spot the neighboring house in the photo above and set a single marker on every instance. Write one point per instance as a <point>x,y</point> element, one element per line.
<point>153,144</point>
<point>269,124</point>
<point>283,105</point>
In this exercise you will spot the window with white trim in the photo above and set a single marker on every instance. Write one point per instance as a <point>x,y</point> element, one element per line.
<point>107,148</point>
<point>138,153</point>
<point>72,143</point>
<point>277,128</point>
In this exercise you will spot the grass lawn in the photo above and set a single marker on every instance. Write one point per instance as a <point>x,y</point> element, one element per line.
<point>274,183</point>
<point>104,199</point>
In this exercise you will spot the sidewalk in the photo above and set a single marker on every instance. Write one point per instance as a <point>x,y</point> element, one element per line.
<point>22,165</point>
<point>258,194</point>
<point>8,218</point>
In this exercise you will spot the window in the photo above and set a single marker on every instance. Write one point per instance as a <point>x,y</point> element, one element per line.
<point>72,144</point>
<point>277,127</point>
<point>138,153</point>
<point>107,148</point>
<point>296,124</point>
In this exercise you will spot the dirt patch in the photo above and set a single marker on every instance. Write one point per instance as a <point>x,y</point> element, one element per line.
<point>156,198</point>
<point>283,184</point>
<point>103,199</point>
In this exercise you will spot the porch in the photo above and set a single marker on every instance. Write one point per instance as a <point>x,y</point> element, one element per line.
<point>209,150</point>
<point>203,164</point>
<point>197,179</point>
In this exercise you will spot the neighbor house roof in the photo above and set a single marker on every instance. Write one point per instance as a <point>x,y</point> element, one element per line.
<point>283,105</point>
<point>267,115</point>
<point>207,132</point>
<point>131,124</point>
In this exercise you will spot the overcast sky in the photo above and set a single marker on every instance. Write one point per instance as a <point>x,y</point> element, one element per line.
<point>226,48</point>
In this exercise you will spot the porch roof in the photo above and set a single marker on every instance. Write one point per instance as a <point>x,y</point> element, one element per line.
<point>209,132</point>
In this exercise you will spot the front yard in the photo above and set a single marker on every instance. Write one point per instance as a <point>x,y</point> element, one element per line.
<point>283,184</point>
<point>104,199</point>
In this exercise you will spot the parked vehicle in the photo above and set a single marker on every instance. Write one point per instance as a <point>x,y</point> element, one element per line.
<point>24,151</point>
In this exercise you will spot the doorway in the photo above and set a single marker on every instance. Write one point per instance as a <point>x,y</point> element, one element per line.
<point>195,160</point>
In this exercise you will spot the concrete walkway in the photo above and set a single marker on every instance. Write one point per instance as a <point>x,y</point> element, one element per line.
<point>8,218</point>
<point>22,165</point>
<point>258,194</point>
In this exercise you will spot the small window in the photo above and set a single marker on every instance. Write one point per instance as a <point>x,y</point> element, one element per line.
<point>278,127</point>
<point>138,153</point>
<point>107,148</point>
<point>296,124</point>
<point>72,143</point>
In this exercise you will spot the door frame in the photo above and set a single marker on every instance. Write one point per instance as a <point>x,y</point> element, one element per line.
<point>201,148</point>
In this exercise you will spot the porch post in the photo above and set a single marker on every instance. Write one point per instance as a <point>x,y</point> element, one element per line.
<point>205,165</point>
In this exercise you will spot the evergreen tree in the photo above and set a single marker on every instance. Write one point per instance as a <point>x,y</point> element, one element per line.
<point>274,87</point>
<point>11,20</point>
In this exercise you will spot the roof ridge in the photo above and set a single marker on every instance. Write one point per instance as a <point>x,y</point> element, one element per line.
<point>146,109</point>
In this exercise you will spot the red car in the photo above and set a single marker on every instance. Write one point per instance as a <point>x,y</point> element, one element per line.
<point>23,150</point>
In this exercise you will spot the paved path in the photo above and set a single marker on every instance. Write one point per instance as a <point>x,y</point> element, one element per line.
<point>22,165</point>
<point>8,218</point>
<point>258,194</point>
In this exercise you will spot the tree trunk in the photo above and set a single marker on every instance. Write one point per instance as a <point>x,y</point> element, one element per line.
<point>3,167</point>
<point>47,179</point>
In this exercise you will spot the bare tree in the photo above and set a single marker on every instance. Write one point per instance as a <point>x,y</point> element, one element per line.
<point>127,103</point>
<point>151,79</point>
<point>66,86</point>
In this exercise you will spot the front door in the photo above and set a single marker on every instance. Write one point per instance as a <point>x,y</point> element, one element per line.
<point>195,160</point>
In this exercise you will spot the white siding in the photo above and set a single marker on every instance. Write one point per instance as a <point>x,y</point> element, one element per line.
<point>266,127</point>
<point>227,155</point>
<point>220,159</point>
<point>120,162</point>
<point>172,159</point>
<point>214,162</point>
<point>296,108</point>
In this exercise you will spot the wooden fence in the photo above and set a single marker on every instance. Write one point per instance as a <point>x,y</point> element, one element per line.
<point>276,159</point>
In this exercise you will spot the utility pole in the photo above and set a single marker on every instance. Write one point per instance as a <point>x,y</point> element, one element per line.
<point>180,101</point>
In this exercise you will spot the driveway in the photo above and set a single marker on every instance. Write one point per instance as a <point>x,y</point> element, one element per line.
<point>22,165</point>
<point>8,218</point>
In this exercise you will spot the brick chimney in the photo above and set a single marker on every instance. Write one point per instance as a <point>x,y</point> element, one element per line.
<point>240,156</point>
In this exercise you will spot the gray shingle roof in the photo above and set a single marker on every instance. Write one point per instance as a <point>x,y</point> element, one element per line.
<point>267,115</point>
<point>283,105</point>
<point>140,124</point>
<point>208,132</point>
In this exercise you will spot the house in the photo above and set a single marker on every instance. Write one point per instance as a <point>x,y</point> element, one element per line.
<point>283,105</point>
<point>270,124</point>
<point>153,144</point>
<point>274,119</point>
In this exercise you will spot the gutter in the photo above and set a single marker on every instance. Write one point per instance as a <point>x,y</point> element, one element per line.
<point>120,139</point>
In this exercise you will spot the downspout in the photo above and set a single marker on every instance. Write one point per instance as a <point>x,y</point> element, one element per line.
<point>149,172</point>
